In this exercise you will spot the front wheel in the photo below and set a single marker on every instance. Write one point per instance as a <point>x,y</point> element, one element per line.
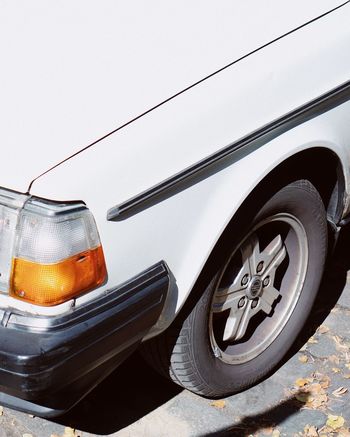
<point>257,302</point>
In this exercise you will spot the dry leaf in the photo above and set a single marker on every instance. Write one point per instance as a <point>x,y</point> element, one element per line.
<point>312,340</point>
<point>313,396</point>
<point>347,376</point>
<point>339,391</point>
<point>325,381</point>
<point>339,343</point>
<point>301,382</point>
<point>316,388</point>
<point>342,432</point>
<point>335,370</point>
<point>303,359</point>
<point>317,401</point>
<point>334,359</point>
<point>335,422</point>
<point>220,403</point>
<point>303,397</point>
<point>276,433</point>
<point>267,430</point>
<point>310,431</point>
<point>347,365</point>
<point>323,329</point>
<point>69,432</point>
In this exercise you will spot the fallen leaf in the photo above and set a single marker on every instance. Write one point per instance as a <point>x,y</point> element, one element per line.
<point>334,359</point>
<point>312,340</point>
<point>303,397</point>
<point>316,402</point>
<point>347,365</point>
<point>303,359</point>
<point>339,391</point>
<point>325,381</point>
<point>301,382</point>
<point>339,343</point>
<point>347,376</point>
<point>342,432</point>
<point>335,370</point>
<point>316,388</point>
<point>310,431</point>
<point>335,422</point>
<point>276,433</point>
<point>220,403</point>
<point>323,329</point>
<point>69,432</point>
<point>267,430</point>
<point>313,396</point>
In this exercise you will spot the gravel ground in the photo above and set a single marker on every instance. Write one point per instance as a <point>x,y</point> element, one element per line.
<point>308,396</point>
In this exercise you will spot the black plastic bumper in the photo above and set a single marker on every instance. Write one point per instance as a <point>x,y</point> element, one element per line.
<point>47,367</point>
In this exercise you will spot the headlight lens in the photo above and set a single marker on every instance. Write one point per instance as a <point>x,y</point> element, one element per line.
<point>49,252</point>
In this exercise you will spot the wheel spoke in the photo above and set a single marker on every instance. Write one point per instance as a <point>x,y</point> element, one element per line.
<point>268,298</point>
<point>271,250</point>
<point>233,297</point>
<point>237,322</point>
<point>238,283</point>
<point>275,263</point>
<point>223,302</point>
<point>250,253</point>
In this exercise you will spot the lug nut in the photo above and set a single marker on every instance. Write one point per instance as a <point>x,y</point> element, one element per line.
<point>241,302</point>
<point>266,281</point>
<point>245,280</point>
<point>255,303</point>
<point>260,266</point>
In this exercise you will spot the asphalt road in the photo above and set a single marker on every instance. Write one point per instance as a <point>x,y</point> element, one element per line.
<point>308,396</point>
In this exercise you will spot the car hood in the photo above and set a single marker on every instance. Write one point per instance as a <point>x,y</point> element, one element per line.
<point>73,71</point>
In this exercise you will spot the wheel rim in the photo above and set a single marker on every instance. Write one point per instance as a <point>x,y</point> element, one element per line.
<point>258,289</point>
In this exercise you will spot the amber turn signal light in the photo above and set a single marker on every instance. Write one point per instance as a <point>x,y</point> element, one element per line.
<point>57,255</point>
<point>51,284</point>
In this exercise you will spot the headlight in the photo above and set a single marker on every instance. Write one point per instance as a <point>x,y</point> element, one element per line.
<point>49,252</point>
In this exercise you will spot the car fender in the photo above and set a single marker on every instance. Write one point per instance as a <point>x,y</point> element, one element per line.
<point>183,226</point>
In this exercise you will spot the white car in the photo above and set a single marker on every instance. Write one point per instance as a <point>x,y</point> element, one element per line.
<point>172,173</point>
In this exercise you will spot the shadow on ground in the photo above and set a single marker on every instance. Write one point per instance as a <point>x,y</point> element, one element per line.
<point>270,418</point>
<point>128,394</point>
<point>135,390</point>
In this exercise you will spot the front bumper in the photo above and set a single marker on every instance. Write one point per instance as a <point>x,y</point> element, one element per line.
<point>47,367</point>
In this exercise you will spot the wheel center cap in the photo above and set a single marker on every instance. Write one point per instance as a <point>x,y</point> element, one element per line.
<point>254,287</point>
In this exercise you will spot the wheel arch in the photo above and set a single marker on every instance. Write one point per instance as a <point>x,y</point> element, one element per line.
<point>320,165</point>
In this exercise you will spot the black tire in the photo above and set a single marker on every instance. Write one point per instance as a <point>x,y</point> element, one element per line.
<point>188,351</point>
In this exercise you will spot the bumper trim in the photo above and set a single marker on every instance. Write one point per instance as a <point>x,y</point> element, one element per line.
<point>47,364</point>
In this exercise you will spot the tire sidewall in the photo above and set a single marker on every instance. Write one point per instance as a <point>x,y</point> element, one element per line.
<point>302,201</point>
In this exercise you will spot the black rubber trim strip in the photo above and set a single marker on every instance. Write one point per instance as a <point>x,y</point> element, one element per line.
<point>255,139</point>
<point>188,88</point>
<point>47,371</point>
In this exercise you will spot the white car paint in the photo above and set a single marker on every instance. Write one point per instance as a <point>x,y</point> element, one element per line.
<point>183,229</point>
<point>74,71</point>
